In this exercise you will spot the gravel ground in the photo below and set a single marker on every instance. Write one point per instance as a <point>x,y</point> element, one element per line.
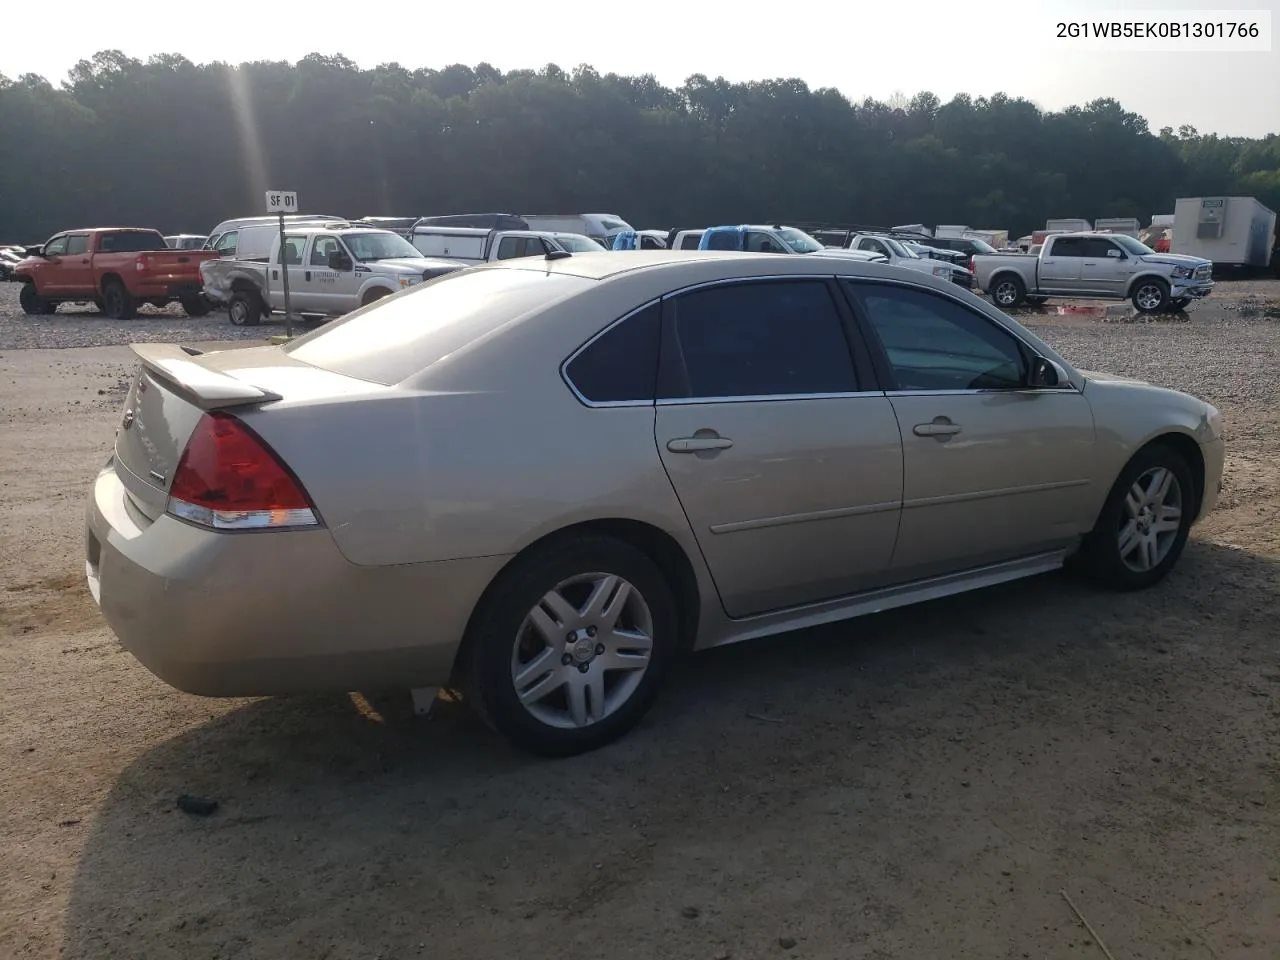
<point>924,783</point>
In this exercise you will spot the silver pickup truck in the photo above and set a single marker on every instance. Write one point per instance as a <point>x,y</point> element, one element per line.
<point>332,271</point>
<point>1095,266</point>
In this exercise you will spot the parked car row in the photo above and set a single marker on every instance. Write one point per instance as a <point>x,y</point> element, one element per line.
<point>336,265</point>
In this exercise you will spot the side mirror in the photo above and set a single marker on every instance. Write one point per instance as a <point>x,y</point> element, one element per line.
<point>339,261</point>
<point>33,251</point>
<point>1115,254</point>
<point>1045,373</point>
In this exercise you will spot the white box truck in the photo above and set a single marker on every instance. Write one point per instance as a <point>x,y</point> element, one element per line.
<point>1068,225</point>
<point>1129,226</point>
<point>1231,231</point>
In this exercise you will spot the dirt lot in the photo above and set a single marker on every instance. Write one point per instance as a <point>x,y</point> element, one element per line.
<point>924,785</point>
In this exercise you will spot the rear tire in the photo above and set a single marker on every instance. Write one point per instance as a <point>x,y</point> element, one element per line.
<point>196,306</point>
<point>116,302</point>
<point>244,309</point>
<point>1127,549</point>
<point>34,304</point>
<point>1151,295</point>
<point>556,681</point>
<point>1008,290</point>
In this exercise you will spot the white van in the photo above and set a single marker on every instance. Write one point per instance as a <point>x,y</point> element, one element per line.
<point>602,227</point>
<point>250,238</point>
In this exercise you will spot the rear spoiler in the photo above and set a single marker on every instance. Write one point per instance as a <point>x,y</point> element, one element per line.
<point>195,383</point>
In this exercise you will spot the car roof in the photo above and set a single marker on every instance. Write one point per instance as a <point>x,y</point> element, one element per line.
<point>107,230</point>
<point>715,264</point>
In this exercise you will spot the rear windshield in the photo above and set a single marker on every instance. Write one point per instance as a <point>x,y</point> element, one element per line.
<point>390,340</point>
<point>132,241</point>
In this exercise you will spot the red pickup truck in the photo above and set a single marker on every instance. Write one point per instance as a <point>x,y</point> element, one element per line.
<point>118,268</point>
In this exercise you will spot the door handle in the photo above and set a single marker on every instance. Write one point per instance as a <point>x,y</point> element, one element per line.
<point>695,444</point>
<point>939,428</point>
<point>307,275</point>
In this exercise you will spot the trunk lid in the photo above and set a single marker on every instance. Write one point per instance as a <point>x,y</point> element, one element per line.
<point>176,386</point>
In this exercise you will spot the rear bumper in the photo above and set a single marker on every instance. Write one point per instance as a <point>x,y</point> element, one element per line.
<point>147,289</point>
<point>260,614</point>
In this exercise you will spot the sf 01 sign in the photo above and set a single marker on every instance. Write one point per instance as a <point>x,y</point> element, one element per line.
<point>282,201</point>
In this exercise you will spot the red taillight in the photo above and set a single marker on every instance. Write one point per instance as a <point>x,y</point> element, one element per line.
<point>229,479</point>
<point>972,261</point>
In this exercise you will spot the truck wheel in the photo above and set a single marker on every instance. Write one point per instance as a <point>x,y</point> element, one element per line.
<point>196,306</point>
<point>244,310</point>
<point>373,295</point>
<point>116,302</point>
<point>1151,295</point>
<point>1008,291</point>
<point>32,303</point>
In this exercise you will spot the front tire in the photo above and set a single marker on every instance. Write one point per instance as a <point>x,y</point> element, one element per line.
<point>1144,524</point>
<point>568,648</point>
<point>1151,296</point>
<point>1008,291</point>
<point>116,302</point>
<point>373,296</point>
<point>32,303</point>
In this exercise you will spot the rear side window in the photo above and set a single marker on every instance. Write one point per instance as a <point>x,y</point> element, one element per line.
<point>392,339</point>
<point>621,364</point>
<point>774,338</point>
<point>131,241</point>
<point>725,240</point>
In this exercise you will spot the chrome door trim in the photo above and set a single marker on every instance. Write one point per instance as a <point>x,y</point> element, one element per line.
<point>834,514</point>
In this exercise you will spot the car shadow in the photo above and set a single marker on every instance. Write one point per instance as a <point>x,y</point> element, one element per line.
<point>349,820</point>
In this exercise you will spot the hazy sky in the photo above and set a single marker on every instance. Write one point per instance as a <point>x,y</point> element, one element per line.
<point>865,48</point>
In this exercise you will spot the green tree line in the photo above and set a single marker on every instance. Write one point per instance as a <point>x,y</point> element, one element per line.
<point>179,146</point>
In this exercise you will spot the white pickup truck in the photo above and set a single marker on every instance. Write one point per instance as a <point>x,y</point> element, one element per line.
<point>475,245</point>
<point>1095,266</point>
<point>332,271</point>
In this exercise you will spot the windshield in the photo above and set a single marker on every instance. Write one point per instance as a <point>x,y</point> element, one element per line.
<point>577,243</point>
<point>1135,247</point>
<point>901,249</point>
<point>379,246</point>
<point>799,241</point>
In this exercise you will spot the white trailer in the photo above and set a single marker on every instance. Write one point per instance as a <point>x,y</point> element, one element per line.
<point>1232,231</point>
<point>1068,226</point>
<point>1130,226</point>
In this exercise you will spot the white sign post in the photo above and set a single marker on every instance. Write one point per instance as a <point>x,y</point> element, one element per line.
<point>281,202</point>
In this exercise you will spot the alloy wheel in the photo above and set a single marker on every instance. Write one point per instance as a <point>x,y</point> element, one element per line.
<point>1150,520</point>
<point>582,651</point>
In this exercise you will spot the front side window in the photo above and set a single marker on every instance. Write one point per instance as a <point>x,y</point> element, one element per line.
<point>56,247</point>
<point>765,339</point>
<point>226,244</point>
<point>934,343</point>
<point>321,249</point>
<point>621,364</point>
